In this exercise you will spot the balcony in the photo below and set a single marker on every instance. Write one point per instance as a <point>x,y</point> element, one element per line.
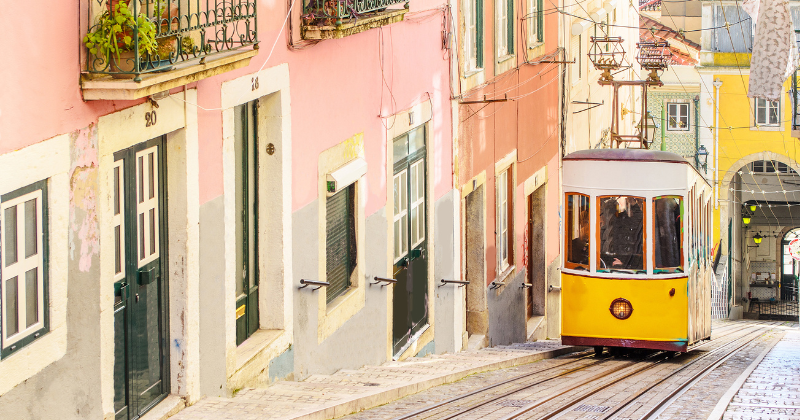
<point>136,48</point>
<point>330,19</point>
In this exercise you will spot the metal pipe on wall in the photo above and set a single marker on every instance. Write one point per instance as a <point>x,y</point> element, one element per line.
<point>717,86</point>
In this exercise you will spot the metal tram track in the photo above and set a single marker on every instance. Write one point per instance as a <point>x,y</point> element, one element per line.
<point>738,344</point>
<point>727,329</point>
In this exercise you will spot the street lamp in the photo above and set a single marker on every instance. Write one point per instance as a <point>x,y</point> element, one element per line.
<point>757,238</point>
<point>753,208</point>
<point>702,153</point>
<point>746,219</point>
<point>647,129</point>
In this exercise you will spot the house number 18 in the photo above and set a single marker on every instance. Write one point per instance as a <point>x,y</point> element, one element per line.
<point>150,118</point>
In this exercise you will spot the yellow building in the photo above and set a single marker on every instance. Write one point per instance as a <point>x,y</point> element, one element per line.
<point>753,164</point>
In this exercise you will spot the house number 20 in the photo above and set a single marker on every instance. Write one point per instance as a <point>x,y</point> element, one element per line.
<point>150,118</point>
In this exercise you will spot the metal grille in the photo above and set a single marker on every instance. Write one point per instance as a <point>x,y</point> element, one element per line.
<point>514,403</point>
<point>340,241</point>
<point>591,408</point>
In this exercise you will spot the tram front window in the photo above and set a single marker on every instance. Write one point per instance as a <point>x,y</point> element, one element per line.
<point>577,232</point>
<point>668,231</point>
<point>620,222</point>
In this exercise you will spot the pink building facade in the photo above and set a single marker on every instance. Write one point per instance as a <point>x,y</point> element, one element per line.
<point>270,200</point>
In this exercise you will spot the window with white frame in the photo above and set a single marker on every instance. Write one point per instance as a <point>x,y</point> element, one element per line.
<point>575,52</point>
<point>504,213</point>
<point>535,21</point>
<point>23,266</point>
<point>678,116</point>
<point>505,27</point>
<point>767,112</point>
<point>473,34</point>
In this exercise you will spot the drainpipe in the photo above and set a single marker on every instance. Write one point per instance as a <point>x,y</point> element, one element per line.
<point>717,86</point>
<point>697,132</point>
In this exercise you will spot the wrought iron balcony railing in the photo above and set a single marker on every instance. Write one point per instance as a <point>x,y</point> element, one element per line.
<point>335,12</point>
<point>650,5</point>
<point>128,38</point>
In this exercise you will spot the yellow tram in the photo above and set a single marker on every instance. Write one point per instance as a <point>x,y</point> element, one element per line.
<point>637,234</point>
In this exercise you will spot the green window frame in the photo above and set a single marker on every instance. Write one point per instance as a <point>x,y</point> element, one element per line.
<point>535,20</point>
<point>24,251</point>
<point>505,28</point>
<point>473,39</point>
<point>341,251</point>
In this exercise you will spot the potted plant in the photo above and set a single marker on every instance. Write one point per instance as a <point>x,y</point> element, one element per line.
<point>112,40</point>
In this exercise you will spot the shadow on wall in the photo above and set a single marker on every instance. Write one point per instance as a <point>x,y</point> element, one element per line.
<point>507,312</point>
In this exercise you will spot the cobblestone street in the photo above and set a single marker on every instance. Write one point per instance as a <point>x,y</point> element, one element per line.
<point>749,370</point>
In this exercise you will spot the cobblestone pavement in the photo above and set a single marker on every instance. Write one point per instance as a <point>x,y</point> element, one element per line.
<point>349,391</point>
<point>772,390</point>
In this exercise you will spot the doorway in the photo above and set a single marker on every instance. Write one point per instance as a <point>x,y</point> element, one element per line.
<point>535,295</point>
<point>141,357</point>
<point>477,317</point>
<point>410,265</point>
<point>246,149</point>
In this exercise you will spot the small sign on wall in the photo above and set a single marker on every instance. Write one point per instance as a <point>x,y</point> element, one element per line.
<point>794,249</point>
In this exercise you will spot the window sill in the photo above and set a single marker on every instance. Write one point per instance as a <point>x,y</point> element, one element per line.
<point>766,128</point>
<point>675,130</point>
<point>108,88</point>
<point>353,26</point>
<point>535,51</point>
<point>503,276</point>
<point>264,343</point>
<point>504,58</point>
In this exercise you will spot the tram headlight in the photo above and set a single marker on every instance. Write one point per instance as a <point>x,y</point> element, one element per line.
<point>621,308</point>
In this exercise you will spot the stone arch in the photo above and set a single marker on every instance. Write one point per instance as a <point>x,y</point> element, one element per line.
<point>766,155</point>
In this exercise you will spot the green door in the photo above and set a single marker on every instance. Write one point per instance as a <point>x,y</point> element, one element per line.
<point>410,269</point>
<point>140,286</point>
<point>245,147</point>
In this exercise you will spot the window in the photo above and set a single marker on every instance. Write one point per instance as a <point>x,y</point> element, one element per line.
<point>340,243</point>
<point>770,166</point>
<point>23,266</point>
<point>668,234</point>
<point>620,228</point>
<point>576,231</point>
<point>577,57</point>
<point>767,112</point>
<point>678,116</point>
<point>535,21</point>
<point>473,34</point>
<point>505,27</point>
<point>505,211</point>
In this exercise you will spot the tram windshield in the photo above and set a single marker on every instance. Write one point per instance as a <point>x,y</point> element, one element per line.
<point>577,232</point>
<point>667,212</point>
<point>620,222</point>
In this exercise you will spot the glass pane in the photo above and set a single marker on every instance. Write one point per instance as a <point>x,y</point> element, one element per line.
<point>504,245</point>
<point>31,241</point>
<point>10,232</point>
<point>577,230</point>
<point>116,190</point>
<point>12,323</point>
<point>668,227</point>
<point>404,235</point>
<point>421,209</point>
<point>152,231</point>
<point>141,179</point>
<point>620,225</point>
<point>152,176</point>
<point>773,114</point>
<point>397,240</point>
<point>117,249</point>
<point>416,139</point>
<point>400,148</point>
<point>32,297</point>
<point>414,221</point>
<point>404,192</point>
<point>141,236</point>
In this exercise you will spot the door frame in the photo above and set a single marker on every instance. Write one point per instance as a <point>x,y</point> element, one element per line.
<point>396,125</point>
<point>117,131</point>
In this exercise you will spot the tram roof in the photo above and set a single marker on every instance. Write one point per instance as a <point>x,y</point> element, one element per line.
<point>639,155</point>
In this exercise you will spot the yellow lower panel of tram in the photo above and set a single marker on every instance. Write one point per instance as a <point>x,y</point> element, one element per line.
<point>656,316</point>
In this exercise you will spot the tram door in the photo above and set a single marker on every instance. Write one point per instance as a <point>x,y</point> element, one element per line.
<point>536,254</point>
<point>140,304</point>
<point>410,267</point>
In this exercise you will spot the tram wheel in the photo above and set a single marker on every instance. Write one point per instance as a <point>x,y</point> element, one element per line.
<point>616,351</point>
<point>598,351</point>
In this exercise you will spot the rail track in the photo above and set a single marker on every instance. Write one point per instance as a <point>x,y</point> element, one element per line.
<point>734,337</point>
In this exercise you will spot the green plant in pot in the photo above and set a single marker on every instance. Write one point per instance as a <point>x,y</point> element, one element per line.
<point>111,39</point>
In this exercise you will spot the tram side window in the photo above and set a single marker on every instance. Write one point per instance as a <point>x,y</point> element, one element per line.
<point>621,231</point>
<point>577,232</point>
<point>668,235</point>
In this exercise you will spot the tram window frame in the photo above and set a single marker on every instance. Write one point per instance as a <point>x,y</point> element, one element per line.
<point>599,244</point>
<point>668,269</point>
<point>568,228</point>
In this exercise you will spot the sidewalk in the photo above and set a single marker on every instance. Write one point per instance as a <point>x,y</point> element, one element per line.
<point>349,391</point>
<point>769,388</point>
